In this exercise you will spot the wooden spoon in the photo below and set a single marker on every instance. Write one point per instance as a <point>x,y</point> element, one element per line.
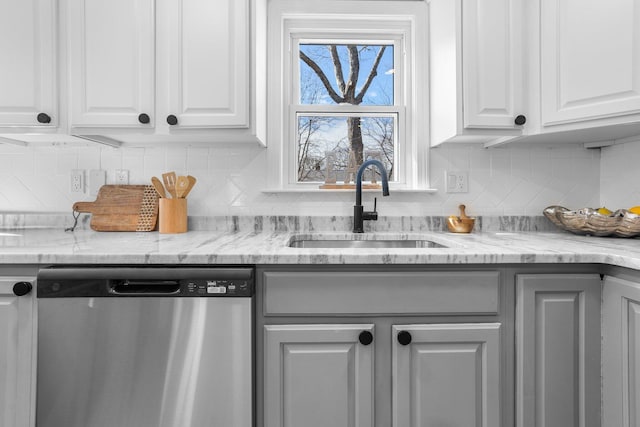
<point>192,182</point>
<point>157,184</point>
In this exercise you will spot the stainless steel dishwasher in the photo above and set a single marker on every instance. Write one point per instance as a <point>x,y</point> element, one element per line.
<point>145,347</point>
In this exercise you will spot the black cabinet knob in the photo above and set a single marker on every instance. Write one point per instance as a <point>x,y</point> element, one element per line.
<point>144,118</point>
<point>172,120</point>
<point>520,120</point>
<point>22,288</point>
<point>43,118</point>
<point>365,337</point>
<point>404,337</point>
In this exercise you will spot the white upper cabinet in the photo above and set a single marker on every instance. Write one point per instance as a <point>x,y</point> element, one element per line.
<point>28,75</point>
<point>492,65</point>
<point>476,71</point>
<point>534,70</point>
<point>112,63</point>
<point>166,70</point>
<point>204,57</point>
<point>590,60</point>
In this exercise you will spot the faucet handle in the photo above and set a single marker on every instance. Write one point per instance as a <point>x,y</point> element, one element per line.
<point>372,215</point>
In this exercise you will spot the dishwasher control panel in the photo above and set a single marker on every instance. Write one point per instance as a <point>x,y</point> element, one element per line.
<point>145,281</point>
<point>218,287</point>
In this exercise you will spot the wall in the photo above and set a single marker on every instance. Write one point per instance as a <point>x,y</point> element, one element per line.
<point>509,180</point>
<point>619,183</point>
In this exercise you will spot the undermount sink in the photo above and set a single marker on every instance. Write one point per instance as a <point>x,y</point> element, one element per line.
<point>352,243</point>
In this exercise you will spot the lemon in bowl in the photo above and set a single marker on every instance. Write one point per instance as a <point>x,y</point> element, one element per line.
<point>604,211</point>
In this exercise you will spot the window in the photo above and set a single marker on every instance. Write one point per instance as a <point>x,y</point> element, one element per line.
<point>347,84</point>
<point>346,108</point>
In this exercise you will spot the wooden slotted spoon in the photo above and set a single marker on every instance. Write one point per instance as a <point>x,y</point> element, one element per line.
<point>169,179</point>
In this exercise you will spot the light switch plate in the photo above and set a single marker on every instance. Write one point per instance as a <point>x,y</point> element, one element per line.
<point>457,181</point>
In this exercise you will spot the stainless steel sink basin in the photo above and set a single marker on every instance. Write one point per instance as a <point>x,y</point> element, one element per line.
<point>349,243</point>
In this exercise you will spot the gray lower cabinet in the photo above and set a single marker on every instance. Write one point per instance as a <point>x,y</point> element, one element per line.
<point>558,350</point>
<point>17,355</point>
<point>318,375</point>
<point>621,352</point>
<point>396,347</point>
<point>447,375</point>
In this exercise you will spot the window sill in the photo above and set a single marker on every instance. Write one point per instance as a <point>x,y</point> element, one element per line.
<point>325,191</point>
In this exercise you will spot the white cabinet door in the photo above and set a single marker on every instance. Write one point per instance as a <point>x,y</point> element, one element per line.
<point>28,74</point>
<point>17,356</point>
<point>446,375</point>
<point>476,70</point>
<point>318,376</point>
<point>492,63</point>
<point>590,60</point>
<point>621,353</point>
<point>203,48</point>
<point>558,350</point>
<point>201,77</point>
<point>112,63</point>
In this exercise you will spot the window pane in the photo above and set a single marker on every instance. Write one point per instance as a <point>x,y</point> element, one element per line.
<point>330,72</point>
<point>325,139</point>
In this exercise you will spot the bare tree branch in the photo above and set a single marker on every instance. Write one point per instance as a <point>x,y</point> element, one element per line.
<point>372,74</point>
<point>337,65</point>
<point>323,78</point>
<point>354,65</point>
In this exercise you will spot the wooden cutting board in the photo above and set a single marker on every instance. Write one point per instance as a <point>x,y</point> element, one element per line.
<point>122,208</point>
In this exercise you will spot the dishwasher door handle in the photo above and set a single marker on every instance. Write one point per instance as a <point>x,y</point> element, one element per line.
<point>146,287</point>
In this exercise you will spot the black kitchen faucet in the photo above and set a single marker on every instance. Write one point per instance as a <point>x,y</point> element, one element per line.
<point>359,215</point>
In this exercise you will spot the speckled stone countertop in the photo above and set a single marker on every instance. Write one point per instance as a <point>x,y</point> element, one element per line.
<point>266,241</point>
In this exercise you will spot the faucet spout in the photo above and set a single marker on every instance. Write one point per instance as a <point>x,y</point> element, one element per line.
<point>383,174</point>
<point>359,215</point>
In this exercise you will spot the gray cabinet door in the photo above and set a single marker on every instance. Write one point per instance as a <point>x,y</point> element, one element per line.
<point>448,375</point>
<point>318,376</point>
<point>558,350</point>
<point>621,353</point>
<point>17,358</point>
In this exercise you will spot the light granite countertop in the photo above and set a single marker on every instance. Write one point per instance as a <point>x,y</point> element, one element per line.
<point>55,246</point>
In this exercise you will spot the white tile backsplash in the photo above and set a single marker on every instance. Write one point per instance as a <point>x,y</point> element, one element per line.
<point>507,180</point>
<point>619,181</point>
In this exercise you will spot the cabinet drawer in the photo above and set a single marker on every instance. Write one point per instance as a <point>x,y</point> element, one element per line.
<point>403,292</point>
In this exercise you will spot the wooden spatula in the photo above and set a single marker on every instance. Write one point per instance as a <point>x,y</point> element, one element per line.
<point>182,184</point>
<point>169,180</point>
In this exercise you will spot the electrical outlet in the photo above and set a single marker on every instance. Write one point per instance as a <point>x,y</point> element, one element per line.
<point>97,178</point>
<point>77,181</point>
<point>122,177</point>
<point>457,182</point>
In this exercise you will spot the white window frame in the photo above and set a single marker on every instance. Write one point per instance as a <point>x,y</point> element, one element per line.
<point>401,23</point>
<point>397,110</point>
